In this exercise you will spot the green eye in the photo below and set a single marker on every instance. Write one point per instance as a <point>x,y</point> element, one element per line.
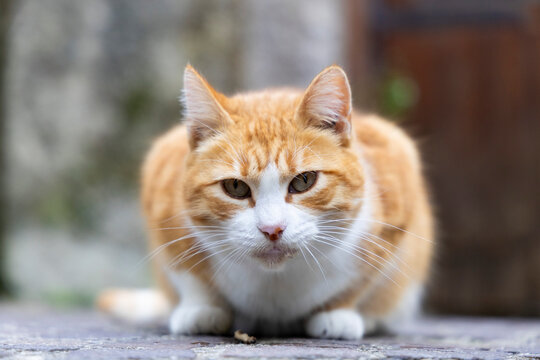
<point>236,188</point>
<point>302,182</point>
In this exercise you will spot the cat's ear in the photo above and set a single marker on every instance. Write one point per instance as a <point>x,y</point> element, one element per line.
<point>203,112</point>
<point>327,103</point>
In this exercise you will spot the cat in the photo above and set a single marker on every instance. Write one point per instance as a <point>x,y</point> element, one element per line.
<point>283,212</point>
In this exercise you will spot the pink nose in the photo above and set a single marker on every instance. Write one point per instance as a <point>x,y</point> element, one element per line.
<point>272,232</point>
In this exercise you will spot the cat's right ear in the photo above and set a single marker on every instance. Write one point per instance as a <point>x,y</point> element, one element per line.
<point>203,112</point>
<point>327,103</point>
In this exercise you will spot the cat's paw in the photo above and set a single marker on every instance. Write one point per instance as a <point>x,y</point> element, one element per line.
<point>203,319</point>
<point>336,324</point>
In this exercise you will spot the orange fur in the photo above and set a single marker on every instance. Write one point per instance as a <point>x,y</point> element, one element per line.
<point>243,134</point>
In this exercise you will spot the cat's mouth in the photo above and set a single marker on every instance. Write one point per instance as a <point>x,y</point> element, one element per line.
<point>275,254</point>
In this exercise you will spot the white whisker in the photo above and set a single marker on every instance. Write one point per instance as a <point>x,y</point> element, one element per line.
<point>317,262</point>
<point>364,236</point>
<point>162,247</point>
<point>351,220</point>
<point>356,256</point>
<point>369,253</point>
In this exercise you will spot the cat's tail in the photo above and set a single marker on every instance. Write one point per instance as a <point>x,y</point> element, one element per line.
<point>135,306</point>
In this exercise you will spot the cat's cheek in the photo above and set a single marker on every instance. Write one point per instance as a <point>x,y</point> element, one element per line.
<point>302,226</point>
<point>242,226</point>
<point>343,324</point>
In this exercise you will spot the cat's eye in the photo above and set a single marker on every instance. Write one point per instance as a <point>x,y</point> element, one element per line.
<point>302,182</point>
<point>236,188</point>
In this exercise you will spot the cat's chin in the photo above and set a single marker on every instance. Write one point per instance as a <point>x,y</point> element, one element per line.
<point>275,256</point>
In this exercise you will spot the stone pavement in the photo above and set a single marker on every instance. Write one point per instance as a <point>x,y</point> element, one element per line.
<point>30,332</point>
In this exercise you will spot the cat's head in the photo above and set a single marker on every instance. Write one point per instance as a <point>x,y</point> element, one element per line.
<point>268,169</point>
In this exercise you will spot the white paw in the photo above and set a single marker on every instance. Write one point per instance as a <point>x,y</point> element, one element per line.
<point>203,319</point>
<point>336,324</point>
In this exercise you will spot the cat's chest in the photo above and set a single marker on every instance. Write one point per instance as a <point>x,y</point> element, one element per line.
<point>288,294</point>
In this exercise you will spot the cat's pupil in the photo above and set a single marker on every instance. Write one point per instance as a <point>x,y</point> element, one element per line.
<point>235,183</point>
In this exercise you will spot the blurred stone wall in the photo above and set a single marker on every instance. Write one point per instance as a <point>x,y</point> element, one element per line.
<point>91,83</point>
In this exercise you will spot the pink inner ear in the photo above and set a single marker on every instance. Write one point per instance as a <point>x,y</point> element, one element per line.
<point>327,101</point>
<point>203,112</point>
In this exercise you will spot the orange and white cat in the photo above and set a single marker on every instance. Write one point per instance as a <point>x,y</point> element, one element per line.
<point>283,212</point>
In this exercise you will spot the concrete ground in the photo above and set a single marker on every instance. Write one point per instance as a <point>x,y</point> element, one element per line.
<point>30,332</point>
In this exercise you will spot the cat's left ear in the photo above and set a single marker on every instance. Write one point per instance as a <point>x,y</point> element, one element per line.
<point>327,103</point>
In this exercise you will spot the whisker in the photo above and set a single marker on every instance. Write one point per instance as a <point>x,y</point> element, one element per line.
<point>207,257</point>
<point>162,247</point>
<point>193,227</point>
<point>400,229</point>
<point>314,153</point>
<point>363,236</point>
<point>347,231</point>
<point>297,151</point>
<point>304,256</point>
<point>327,258</point>
<point>182,212</point>
<point>224,261</point>
<point>369,253</point>
<point>318,263</point>
<point>349,220</point>
<point>236,258</point>
<point>371,241</point>
<point>358,257</point>
<point>342,231</point>
<point>195,250</point>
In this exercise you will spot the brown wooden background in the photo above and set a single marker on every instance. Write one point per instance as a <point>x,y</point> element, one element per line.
<point>475,70</point>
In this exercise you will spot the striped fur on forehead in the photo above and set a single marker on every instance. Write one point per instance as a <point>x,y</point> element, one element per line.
<point>242,153</point>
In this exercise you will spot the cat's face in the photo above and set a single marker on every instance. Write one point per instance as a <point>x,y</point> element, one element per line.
<point>268,169</point>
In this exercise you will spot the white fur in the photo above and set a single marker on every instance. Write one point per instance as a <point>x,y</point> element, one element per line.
<point>292,290</point>
<point>199,319</point>
<point>200,311</point>
<point>271,207</point>
<point>336,324</point>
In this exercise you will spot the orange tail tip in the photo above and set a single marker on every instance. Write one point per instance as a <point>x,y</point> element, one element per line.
<point>135,306</point>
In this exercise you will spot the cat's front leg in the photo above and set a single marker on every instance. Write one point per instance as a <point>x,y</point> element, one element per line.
<point>200,310</point>
<point>345,324</point>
